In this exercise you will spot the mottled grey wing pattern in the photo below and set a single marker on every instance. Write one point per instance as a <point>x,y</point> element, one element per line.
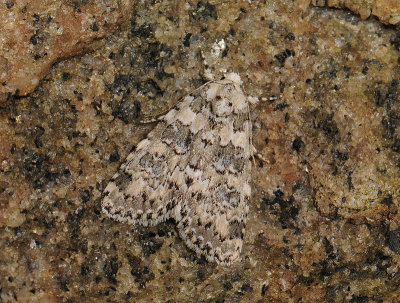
<point>194,167</point>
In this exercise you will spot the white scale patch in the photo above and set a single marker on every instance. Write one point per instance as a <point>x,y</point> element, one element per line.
<point>194,167</point>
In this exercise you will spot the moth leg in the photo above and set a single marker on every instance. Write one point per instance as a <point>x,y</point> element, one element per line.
<point>256,154</point>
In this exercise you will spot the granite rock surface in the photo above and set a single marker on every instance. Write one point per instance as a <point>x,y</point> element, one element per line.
<point>324,224</point>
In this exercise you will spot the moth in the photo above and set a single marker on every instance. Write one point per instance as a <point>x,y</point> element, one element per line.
<point>194,167</point>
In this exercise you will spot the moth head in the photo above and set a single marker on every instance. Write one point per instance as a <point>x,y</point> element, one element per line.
<point>221,106</point>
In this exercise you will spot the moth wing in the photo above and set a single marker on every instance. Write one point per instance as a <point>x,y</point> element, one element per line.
<point>148,185</point>
<point>138,192</point>
<point>213,225</point>
<point>212,218</point>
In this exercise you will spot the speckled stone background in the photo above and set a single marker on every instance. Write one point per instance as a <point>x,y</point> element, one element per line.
<point>324,222</point>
